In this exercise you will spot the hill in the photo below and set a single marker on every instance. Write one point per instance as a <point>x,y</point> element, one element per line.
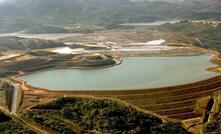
<point>9,126</point>
<point>16,44</point>
<point>23,15</point>
<point>203,35</point>
<point>87,114</point>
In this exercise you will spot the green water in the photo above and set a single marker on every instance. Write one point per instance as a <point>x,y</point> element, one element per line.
<point>133,73</point>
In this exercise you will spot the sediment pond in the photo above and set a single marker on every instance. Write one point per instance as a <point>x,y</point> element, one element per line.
<point>133,73</point>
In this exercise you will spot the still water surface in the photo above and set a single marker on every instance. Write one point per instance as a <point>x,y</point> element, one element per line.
<point>133,73</point>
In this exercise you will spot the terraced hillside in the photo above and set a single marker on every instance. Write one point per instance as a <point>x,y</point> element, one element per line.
<point>178,102</point>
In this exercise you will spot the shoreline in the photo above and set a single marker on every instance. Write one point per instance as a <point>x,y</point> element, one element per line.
<point>29,87</point>
<point>137,97</point>
<point>16,79</point>
<point>118,61</point>
<point>178,102</point>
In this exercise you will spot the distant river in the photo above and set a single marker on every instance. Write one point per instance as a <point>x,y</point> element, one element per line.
<point>53,37</point>
<point>133,73</point>
<point>157,23</point>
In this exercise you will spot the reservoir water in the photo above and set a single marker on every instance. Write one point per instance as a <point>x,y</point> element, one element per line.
<point>133,73</point>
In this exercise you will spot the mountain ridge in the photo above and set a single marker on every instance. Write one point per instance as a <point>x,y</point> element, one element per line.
<point>25,13</point>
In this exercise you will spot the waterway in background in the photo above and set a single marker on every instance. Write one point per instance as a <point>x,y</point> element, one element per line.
<point>157,23</point>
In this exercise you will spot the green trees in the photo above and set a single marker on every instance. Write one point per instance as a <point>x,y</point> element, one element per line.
<point>8,126</point>
<point>4,118</point>
<point>103,115</point>
<point>8,43</point>
<point>209,36</point>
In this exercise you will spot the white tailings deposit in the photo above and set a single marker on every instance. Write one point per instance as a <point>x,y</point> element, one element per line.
<point>156,42</point>
<point>154,45</point>
<point>153,42</point>
<point>67,50</point>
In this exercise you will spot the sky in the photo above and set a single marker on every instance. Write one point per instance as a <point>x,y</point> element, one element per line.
<point>133,0</point>
<point>2,0</point>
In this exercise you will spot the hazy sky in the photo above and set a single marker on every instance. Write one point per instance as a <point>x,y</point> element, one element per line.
<point>2,0</point>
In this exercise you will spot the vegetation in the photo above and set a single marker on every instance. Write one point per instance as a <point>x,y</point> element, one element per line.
<point>4,118</point>
<point>91,60</point>
<point>54,124</point>
<point>117,26</point>
<point>209,37</point>
<point>88,47</point>
<point>16,43</point>
<point>33,16</point>
<point>203,35</point>
<point>4,85</point>
<point>4,73</point>
<point>214,126</point>
<point>42,53</point>
<point>8,126</point>
<point>102,115</point>
<point>48,29</point>
<point>24,64</point>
